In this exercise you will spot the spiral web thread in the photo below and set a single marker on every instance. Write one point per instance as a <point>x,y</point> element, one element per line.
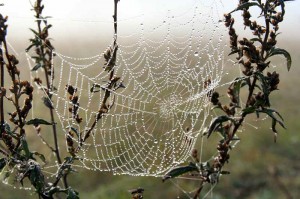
<point>153,122</point>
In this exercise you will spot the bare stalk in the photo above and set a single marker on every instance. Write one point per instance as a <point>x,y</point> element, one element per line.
<point>42,35</point>
<point>2,86</point>
<point>110,56</point>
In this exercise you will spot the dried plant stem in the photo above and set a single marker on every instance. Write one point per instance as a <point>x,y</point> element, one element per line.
<point>253,55</point>
<point>1,86</point>
<point>4,152</point>
<point>16,93</point>
<point>252,86</point>
<point>16,102</point>
<point>104,108</point>
<point>116,32</point>
<point>49,88</point>
<point>50,109</point>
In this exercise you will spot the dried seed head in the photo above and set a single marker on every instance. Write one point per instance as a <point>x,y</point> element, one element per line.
<point>195,153</point>
<point>71,90</point>
<point>2,92</point>
<point>24,83</point>
<point>37,80</point>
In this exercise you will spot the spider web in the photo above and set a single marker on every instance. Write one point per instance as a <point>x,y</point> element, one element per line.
<point>160,105</point>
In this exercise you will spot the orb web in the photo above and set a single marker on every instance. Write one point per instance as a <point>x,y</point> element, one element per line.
<point>160,105</point>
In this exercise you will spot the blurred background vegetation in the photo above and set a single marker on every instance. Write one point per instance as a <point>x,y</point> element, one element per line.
<point>259,167</point>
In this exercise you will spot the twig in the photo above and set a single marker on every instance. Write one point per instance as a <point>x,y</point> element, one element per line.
<point>1,94</point>
<point>104,108</point>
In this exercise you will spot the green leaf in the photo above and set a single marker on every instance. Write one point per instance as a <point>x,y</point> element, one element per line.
<point>36,176</point>
<point>36,41</point>
<point>216,122</point>
<point>74,130</point>
<point>237,84</point>
<point>286,54</point>
<point>36,67</point>
<point>72,194</point>
<point>8,131</point>
<point>246,5</point>
<point>272,113</point>
<point>35,32</point>
<point>2,163</point>
<point>41,156</point>
<point>29,47</point>
<point>256,39</point>
<point>225,172</point>
<point>25,147</point>
<point>47,27</point>
<point>265,89</point>
<point>233,52</point>
<point>52,190</point>
<point>93,89</point>
<point>177,171</point>
<point>47,101</point>
<point>38,121</point>
<point>248,110</point>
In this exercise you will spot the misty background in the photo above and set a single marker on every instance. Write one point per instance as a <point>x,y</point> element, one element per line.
<point>83,28</point>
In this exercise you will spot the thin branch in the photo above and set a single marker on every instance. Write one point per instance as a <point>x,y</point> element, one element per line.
<point>2,94</point>
<point>48,85</point>
<point>104,107</point>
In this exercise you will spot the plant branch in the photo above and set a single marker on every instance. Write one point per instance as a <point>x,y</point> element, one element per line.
<point>1,94</point>
<point>42,35</point>
<point>110,56</point>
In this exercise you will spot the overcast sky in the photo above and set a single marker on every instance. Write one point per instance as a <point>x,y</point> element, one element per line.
<point>94,17</point>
